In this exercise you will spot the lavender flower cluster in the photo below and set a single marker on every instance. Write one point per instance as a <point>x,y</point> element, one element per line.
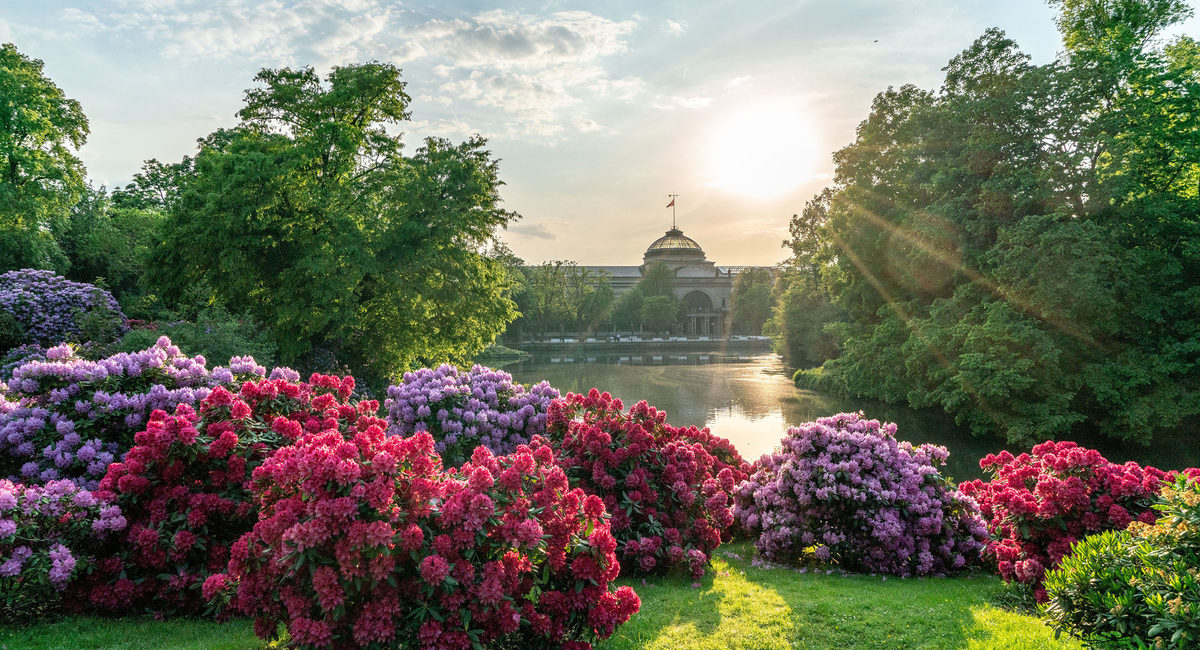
<point>463,410</point>
<point>842,489</point>
<point>45,534</point>
<point>47,306</point>
<point>67,417</point>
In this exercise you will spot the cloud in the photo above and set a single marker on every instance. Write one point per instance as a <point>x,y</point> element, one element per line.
<point>80,20</point>
<point>675,27</point>
<point>503,39</point>
<point>533,69</point>
<point>693,102</point>
<point>533,230</point>
<point>585,125</point>
<point>319,32</point>
<point>533,72</point>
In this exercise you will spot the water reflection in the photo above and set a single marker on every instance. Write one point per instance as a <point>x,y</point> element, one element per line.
<point>751,401</point>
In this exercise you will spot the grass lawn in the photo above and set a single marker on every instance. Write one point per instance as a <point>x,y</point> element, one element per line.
<point>736,606</point>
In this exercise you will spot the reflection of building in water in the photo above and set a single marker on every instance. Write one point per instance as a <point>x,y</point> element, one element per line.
<point>702,287</point>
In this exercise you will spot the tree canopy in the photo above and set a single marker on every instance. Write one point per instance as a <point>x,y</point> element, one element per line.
<point>1018,247</point>
<point>40,176</point>
<point>315,223</point>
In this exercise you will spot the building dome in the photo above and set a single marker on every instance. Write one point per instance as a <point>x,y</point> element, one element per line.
<point>674,240</point>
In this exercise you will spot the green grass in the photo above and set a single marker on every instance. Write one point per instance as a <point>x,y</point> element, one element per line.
<point>735,606</point>
<point>85,632</point>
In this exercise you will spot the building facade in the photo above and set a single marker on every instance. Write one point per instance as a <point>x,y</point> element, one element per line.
<point>702,288</point>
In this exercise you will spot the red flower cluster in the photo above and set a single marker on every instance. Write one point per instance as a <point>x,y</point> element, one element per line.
<point>667,490</point>
<point>362,539</point>
<point>184,487</point>
<point>1038,504</point>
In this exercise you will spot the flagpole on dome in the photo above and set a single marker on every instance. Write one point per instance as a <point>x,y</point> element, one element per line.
<point>672,206</point>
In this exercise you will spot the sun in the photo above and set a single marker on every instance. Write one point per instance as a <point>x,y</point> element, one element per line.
<point>762,151</point>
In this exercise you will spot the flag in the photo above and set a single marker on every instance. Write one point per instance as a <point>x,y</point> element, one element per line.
<point>672,203</point>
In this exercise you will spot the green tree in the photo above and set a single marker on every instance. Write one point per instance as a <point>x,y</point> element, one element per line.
<point>40,176</point>
<point>308,217</point>
<point>658,279</point>
<point>1017,247</point>
<point>802,320</point>
<point>627,310</point>
<point>157,186</point>
<point>752,300</point>
<point>659,313</point>
<point>102,240</point>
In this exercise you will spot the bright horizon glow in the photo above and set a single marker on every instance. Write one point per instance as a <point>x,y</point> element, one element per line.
<point>763,151</point>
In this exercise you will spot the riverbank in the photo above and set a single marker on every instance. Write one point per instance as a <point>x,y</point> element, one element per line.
<point>737,605</point>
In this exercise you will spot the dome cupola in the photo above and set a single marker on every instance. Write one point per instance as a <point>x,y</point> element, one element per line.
<point>674,247</point>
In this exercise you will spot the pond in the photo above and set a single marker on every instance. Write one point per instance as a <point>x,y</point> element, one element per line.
<point>751,401</point>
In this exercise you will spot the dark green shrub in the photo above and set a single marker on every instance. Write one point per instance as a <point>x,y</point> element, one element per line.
<point>1136,587</point>
<point>214,334</point>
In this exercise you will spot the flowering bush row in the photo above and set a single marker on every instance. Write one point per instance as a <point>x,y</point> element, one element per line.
<point>47,534</point>
<point>1038,504</point>
<point>184,485</point>
<point>49,309</point>
<point>73,417</point>
<point>364,540</point>
<point>1137,587</point>
<point>463,410</point>
<point>844,490</point>
<point>669,496</point>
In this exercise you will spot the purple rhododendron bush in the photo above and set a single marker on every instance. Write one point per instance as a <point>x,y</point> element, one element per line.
<point>463,410</point>
<point>1040,503</point>
<point>184,487</point>
<point>48,535</point>
<point>50,309</point>
<point>669,495</point>
<point>844,490</point>
<point>69,418</point>
<point>363,540</point>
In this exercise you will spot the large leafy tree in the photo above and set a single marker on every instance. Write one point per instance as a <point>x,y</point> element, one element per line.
<point>109,241</point>
<point>40,176</point>
<point>1018,247</point>
<point>751,298</point>
<point>308,216</point>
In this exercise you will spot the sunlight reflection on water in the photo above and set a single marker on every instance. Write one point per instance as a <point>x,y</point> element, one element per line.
<point>751,401</point>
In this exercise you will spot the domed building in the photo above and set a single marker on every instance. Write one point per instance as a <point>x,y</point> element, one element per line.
<point>702,287</point>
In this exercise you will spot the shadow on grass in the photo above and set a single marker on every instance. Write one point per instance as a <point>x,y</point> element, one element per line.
<point>741,606</point>
<point>132,633</point>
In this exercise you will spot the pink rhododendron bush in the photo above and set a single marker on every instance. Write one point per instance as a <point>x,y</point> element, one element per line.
<point>184,486</point>
<point>1038,504</point>
<point>844,490</point>
<point>363,540</point>
<point>47,538</point>
<point>669,495</point>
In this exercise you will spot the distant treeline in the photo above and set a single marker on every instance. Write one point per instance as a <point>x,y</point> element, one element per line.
<point>562,296</point>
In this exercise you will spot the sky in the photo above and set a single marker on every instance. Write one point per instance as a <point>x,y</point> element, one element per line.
<point>597,111</point>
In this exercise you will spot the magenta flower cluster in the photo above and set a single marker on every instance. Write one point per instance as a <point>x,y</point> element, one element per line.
<point>68,417</point>
<point>47,306</point>
<point>1039,504</point>
<point>47,533</point>
<point>844,490</point>
<point>463,410</point>
<point>669,496</point>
